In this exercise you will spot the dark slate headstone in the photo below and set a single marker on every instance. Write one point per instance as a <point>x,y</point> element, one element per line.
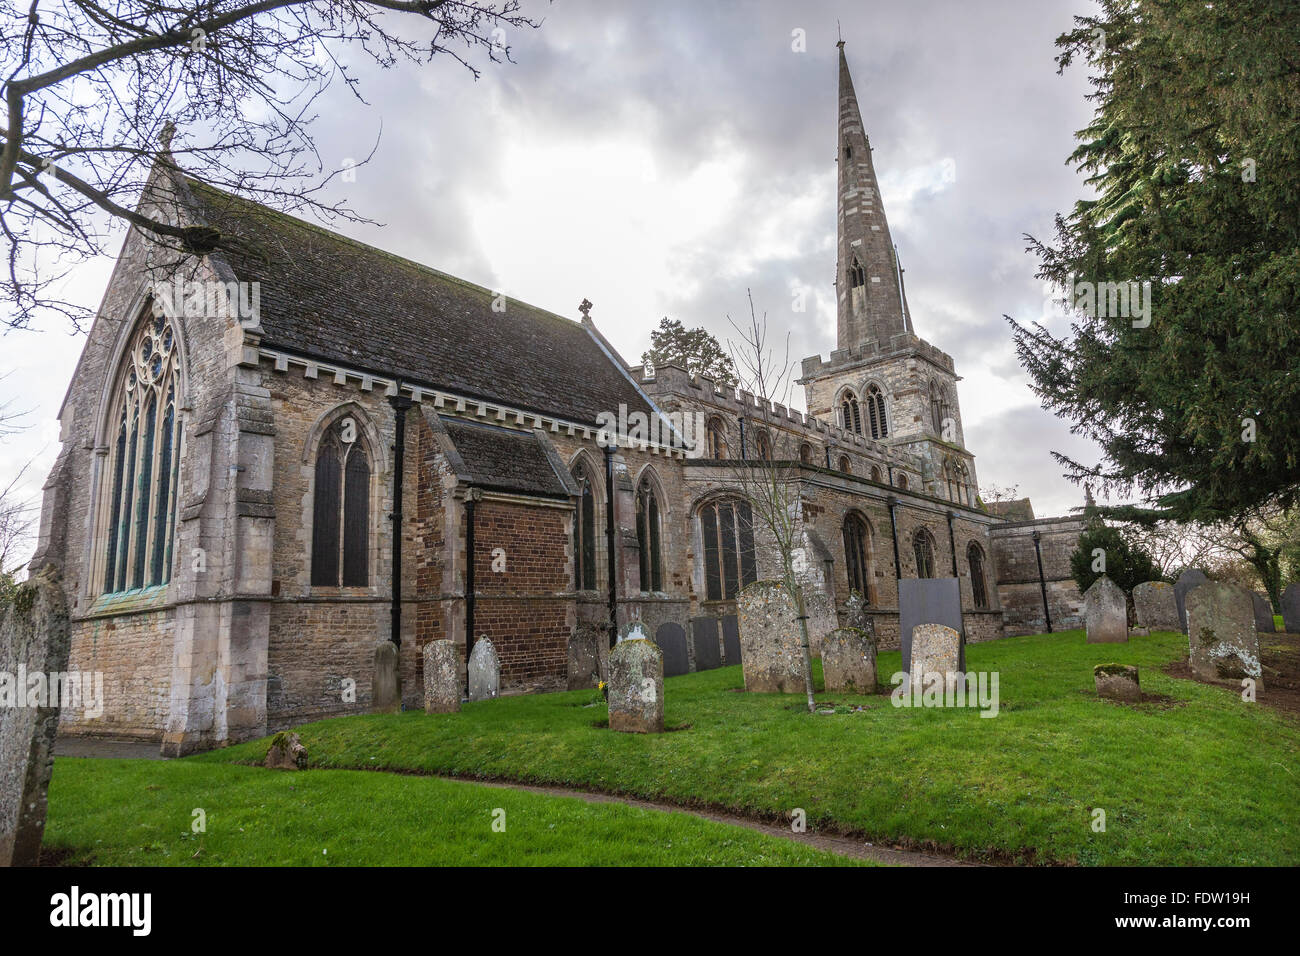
<point>704,635</point>
<point>671,638</point>
<point>1186,581</point>
<point>731,639</point>
<point>1291,608</point>
<point>1263,613</point>
<point>929,601</point>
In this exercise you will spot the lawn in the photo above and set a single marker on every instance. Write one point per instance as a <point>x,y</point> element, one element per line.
<point>1202,778</point>
<point>141,813</point>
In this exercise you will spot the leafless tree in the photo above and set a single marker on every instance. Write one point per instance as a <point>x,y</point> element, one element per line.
<point>18,515</point>
<point>93,91</point>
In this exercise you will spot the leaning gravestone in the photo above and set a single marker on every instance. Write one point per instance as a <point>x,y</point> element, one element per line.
<point>484,671</point>
<point>928,601</point>
<point>1263,613</point>
<point>584,657</point>
<point>1221,632</point>
<point>731,639</point>
<point>1186,581</point>
<point>441,678</point>
<point>671,639</point>
<point>1105,612</point>
<point>1291,608</point>
<point>636,687</point>
<point>771,641</point>
<point>286,753</point>
<point>1155,606</point>
<point>33,636</point>
<point>849,661</point>
<point>635,630</point>
<point>386,691</point>
<point>1117,682</point>
<point>935,650</point>
<point>704,638</point>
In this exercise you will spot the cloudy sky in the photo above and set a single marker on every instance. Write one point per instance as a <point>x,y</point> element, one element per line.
<point>661,158</point>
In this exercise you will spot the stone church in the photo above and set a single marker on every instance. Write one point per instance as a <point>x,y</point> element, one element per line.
<point>276,457</point>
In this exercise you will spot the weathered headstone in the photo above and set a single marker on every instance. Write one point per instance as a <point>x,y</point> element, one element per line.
<point>33,637</point>
<point>585,657</point>
<point>731,639</point>
<point>635,630</point>
<point>771,642</point>
<point>286,753</point>
<point>1117,682</point>
<point>1263,613</point>
<point>671,639</point>
<point>928,601</point>
<point>441,678</point>
<point>935,650</point>
<point>1186,581</point>
<point>636,687</point>
<point>1221,633</point>
<point>849,661</point>
<point>386,691</point>
<point>1105,612</point>
<point>484,671</point>
<point>1155,606</point>
<point>704,638</point>
<point>1291,608</point>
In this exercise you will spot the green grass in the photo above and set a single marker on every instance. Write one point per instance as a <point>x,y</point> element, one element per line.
<point>140,813</point>
<point>1210,780</point>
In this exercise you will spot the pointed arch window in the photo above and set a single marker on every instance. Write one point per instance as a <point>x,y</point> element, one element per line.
<point>145,461</point>
<point>584,531</point>
<point>717,439</point>
<point>940,408</point>
<point>902,481</point>
<point>975,561</point>
<point>340,529</point>
<point>805,454</point>
<point>647,533</point>
<point>876,475</point>
<point>846,466</point>
<point>851,413</point>
<point>764,445</point>
<point>923,547</point>
<point>876,412</point>
<point>857,285</point>
<point>857,555</point>
<point>727,530</point>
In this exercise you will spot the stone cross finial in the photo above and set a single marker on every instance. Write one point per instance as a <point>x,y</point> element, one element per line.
<point>165,140</point>
<point>585,308</point>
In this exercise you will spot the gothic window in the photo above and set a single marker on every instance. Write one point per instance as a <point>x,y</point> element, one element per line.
<point>857,555</point>
<point>647,533</point>
<point>876,475</point>
<point>340,528</point>
<point>923,545</point>
<point>845,465</point>
<point>876,413</point>
<point>584,531</point>
<point>717,439</point>
<point>975,560</point>
<point>940,408</point>
<point>902,481</point>
<point>727,529</point>
<point>857,285</point>
<point>806,454</point>
<point>763,441</point>
<point>950,479</point>
<point>144,462</point>
<point>851,413</point>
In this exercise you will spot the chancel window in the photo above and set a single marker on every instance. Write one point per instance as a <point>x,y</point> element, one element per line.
<point>340,530</point>
<point>876,413</point>
<point>144,464</point>
<point>923,546</point>
<point>727,529</point>
<point>857,555</point>
<point>975,560</point>
<point>584,531</point>
<point>647,533</point>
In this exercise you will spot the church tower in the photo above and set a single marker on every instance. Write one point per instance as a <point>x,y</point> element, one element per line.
<point>883,382</point>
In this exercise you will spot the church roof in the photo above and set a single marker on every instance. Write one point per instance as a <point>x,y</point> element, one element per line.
<point>504,459</point>
<point>328,297</point>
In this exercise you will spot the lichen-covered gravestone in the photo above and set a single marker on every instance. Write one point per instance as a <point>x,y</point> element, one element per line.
<point>1155,606</point>
<point>386,691</point>
<point>771,642</point>
<point>33,635</point>
<point>1105,612</point>
<point>484,671</point>
<point>1221,632</point>
<point>1117,682</point>
<point>286,753</point>
<point>935,650</point>
<point>1188,580</point>
<point>1291,608</point>
<point>1263,613</point>
<point>441,678</point>
<point>634,630</point>
<point>636,687</point>
<point>849,661</point>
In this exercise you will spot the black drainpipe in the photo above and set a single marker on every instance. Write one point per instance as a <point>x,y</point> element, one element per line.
<point>741,420</point>
<point>469,577</point>
<point>609,545</point>
<point>1042,581</point>
<point>893,533</point>
<point>400,404</point>
<point>952,542</point>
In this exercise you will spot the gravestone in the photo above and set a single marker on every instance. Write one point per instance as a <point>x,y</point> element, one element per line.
<point>1221,633</point>
<point>286,753</point>
<point>1117,682</point>
<point>1105,612</point>
<point>1155,607</point>
<point>585,657</point>
<point>33,637</point>
<point>704,638</point>
<point>635,630</point>
<point>484,671</point>
<point>441,678</point>
<point>936,649</point>
<point>771,641</point>
<point>1291,608</point>
<point>671,639</point>
<point>636,687</point>
<point>731,639</point>
<point>1186,581</point>
<point>386,691</point>
<point>1263,613</point>
<point>928,601</point>
<point>849,661</point>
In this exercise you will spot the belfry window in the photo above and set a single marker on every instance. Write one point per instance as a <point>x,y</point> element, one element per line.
<point>144,465</point>
<point>857,285</point>
<point>340,529</point>
<point>584,532</point>
<point>647,533</point>
<point>876,413</point>
<point>851,413</point>
<point>727,529</point>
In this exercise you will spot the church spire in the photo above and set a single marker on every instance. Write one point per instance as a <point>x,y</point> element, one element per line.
<point>868,280</point>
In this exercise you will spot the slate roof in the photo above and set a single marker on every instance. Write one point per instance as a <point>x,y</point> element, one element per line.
<point>328,297</point>
<point>504,458</point>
